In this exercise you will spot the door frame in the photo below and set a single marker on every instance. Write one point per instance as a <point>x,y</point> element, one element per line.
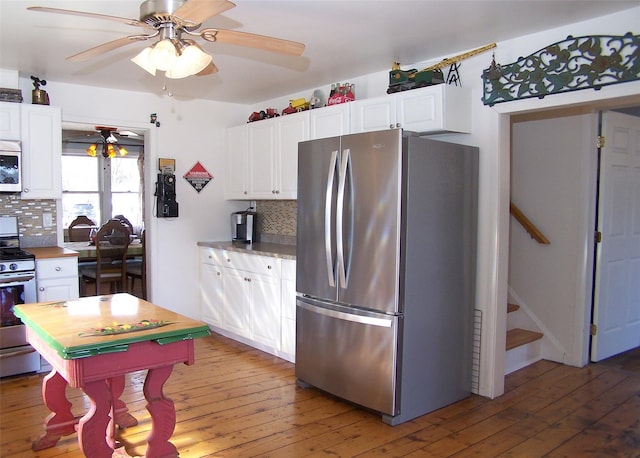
<point>150,158</point>
<point>492,360</point>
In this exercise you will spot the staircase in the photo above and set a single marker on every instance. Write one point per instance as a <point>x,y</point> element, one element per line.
<point>523,346</point>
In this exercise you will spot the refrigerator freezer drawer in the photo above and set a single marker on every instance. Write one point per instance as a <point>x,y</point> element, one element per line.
<point>351,355</point>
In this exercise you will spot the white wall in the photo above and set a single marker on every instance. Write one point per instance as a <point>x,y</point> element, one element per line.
<point>554,171</point>
<point>190,131</point>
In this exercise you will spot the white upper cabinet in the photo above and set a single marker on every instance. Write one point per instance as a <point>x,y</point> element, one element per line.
<point>237,158</point>
<point>262,158</point>
<point>291,130</point>
<point>9,121</point>
<point>432,109</point>
<point>41,127</point>
<point>330,121</point>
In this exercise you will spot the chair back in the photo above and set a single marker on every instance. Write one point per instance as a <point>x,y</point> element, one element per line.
<point>112,242</point>
<point>126,222</point>
<point>80,229</point>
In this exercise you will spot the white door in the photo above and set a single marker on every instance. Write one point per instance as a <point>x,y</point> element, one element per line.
<point>617,284</point>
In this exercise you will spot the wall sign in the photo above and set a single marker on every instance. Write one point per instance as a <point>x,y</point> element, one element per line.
<point>198,177</point>
<point>568,65</point>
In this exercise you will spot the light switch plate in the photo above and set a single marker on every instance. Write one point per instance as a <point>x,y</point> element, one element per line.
<point>47,220</point>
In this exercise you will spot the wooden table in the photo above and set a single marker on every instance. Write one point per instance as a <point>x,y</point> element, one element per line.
<point>91,343</point>
<point>87,252</point>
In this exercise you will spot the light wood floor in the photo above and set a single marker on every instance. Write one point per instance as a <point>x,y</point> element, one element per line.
<point>239,402</point>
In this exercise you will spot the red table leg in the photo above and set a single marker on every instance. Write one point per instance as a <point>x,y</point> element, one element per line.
<point>60,421</point>
<point>92,429</point>
<point>163,414</point>
<point>123,418</point>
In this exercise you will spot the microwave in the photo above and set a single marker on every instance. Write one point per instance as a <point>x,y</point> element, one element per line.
<point>10,166</point>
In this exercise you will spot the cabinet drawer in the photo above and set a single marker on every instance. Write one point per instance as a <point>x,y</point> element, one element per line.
<point>212,256</point>
<point>56,268</point>
<point>263,265</point>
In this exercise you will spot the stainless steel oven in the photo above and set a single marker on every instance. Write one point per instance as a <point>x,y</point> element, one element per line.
<point>17,286</point>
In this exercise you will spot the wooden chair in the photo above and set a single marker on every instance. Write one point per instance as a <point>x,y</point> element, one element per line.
<point>112,242</point>
<point>137,269</point>
<point>126,222</point>
<point>80,228</point>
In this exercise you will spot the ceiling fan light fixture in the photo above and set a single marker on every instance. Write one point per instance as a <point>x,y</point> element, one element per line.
<point>142,60</point>
<point>92,150</point>
<point>164,54</point>
<point>192,60</point>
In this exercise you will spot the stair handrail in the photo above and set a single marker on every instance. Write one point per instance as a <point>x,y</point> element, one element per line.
<point>533,231</point>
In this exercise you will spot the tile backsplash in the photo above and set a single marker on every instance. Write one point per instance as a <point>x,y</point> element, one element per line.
<point>30,213</point>
<point>277,221</point>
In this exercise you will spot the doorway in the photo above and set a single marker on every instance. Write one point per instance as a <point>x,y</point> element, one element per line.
<point>102,187</point>
<point>554,180</point>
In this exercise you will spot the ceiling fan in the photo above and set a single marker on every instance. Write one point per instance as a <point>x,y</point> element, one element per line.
<point>104,139</point>
<point>173,21</point>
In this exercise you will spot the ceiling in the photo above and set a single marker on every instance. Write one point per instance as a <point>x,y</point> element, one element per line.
<point>343,39</point>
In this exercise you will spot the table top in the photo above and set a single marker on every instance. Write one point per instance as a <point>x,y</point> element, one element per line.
<point>105,324</point>
<point>85,250</point>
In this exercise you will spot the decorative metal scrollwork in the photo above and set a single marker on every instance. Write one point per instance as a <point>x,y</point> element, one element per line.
<point>569,65</point>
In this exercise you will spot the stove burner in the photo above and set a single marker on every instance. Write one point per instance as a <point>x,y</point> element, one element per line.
<point>13,253</point>
<point>13,259</point>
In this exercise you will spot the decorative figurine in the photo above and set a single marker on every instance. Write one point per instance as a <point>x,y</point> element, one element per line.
<point>39,96</point>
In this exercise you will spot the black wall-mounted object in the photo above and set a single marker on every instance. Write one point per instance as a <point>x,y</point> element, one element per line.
<point>166,205</point>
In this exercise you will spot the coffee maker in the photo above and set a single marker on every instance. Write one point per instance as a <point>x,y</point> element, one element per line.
<point>243,226</point>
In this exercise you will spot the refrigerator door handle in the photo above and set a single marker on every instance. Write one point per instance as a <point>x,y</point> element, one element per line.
<point>342,181</point>
<point>361,319</point>
<point>327,217</point>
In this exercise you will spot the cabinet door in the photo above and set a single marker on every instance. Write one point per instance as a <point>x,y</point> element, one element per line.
<point>262,159</point>
<point>373,114</point>
<point>331,121</point>
<point>292,129</point>
<point>41,152</point>
<point>237,158</point>
<point>265,309</point>
<point>288,339</point>
<point>420,110</point>
<point>211,298</point>
<point>10,121</point>
<point>57,279</point>
<point>235,306</point>
<point>58,289</point>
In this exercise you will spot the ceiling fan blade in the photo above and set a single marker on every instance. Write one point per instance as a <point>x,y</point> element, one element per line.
<point>252,40</point>
<point>123,20</point>
<point>198,11</point>
<point>106,47</point>
<point>208,70</point>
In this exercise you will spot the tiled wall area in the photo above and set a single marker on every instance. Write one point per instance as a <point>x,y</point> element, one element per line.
<point>277,221</point>
<point>29,213</point>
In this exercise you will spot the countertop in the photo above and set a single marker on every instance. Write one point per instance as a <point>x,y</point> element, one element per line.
<point>275,250</point>
<point>51,252</point>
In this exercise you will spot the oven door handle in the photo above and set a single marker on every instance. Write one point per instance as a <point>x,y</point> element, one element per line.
<point>12,281</point>
<point>26,351</point>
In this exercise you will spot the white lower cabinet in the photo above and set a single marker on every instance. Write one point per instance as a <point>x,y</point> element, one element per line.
<point>211,293</point>
<point>57,279</point>
<point>288,301</point>
<point>241,298</point>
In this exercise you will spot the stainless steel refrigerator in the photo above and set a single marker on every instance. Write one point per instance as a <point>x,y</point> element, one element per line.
<point>386,247</point>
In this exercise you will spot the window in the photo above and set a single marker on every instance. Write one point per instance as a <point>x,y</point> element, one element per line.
<point>101,188</point>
